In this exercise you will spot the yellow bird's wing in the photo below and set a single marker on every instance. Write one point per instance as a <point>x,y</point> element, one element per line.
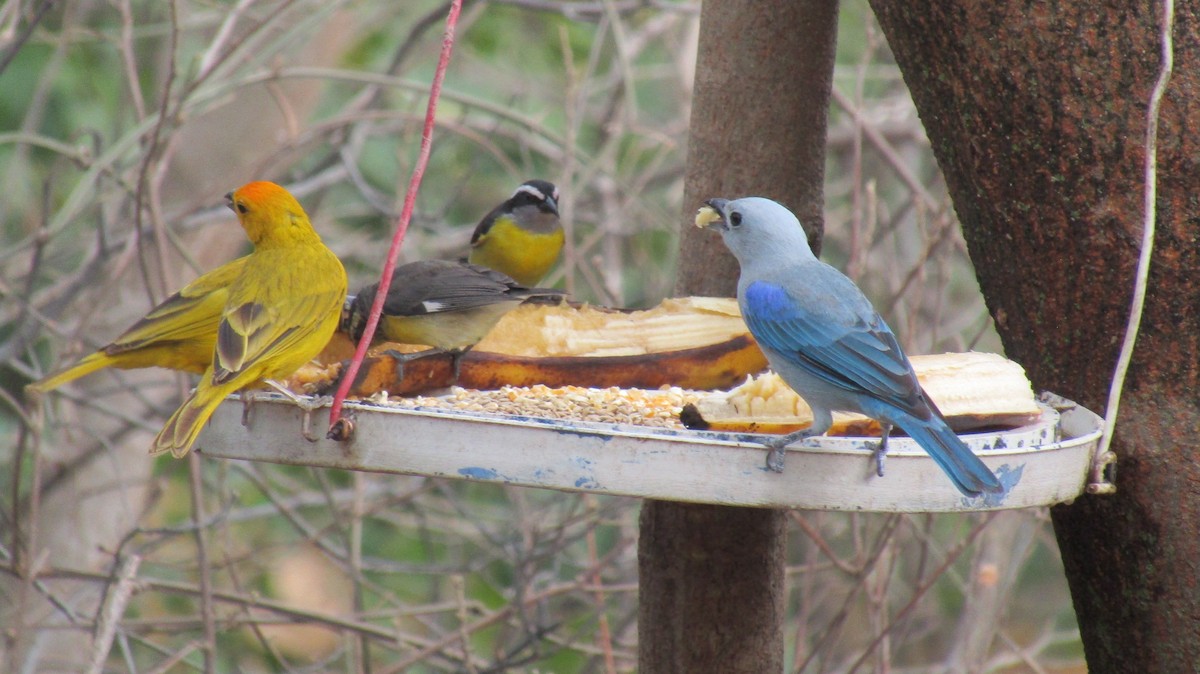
<point>277,333</point>
<point>189,314</point>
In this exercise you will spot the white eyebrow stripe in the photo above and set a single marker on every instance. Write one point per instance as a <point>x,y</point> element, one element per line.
<point>532,191</point>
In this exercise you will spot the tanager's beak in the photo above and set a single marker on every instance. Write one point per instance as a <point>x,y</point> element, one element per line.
<point>709,216</point>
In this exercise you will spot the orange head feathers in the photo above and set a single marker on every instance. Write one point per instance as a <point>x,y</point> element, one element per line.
<point>270,215</point>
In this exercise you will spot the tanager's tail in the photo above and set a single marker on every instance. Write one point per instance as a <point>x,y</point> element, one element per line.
<point>965,469</point>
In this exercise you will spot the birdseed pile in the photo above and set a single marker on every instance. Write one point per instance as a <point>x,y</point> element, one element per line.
<point>640,407</point>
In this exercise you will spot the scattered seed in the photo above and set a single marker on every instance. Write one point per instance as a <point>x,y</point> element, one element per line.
<point>640,407</point>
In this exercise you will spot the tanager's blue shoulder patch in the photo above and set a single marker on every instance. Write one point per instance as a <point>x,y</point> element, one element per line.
<point>770,301</point>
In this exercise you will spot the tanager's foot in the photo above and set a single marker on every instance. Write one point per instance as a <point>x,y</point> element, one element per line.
<point>881,451</point>
<point>776,448</point>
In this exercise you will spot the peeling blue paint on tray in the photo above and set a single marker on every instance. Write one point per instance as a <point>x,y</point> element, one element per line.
<point>1009,478</point>
<point>476,473</point>
<point>585,433</point>
<point>603,432</point>
<point>585,466</point>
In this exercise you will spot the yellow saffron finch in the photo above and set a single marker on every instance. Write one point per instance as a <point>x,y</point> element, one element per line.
<point>279,312</point>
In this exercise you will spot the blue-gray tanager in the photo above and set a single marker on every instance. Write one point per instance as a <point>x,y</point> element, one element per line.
<point>821,334</point>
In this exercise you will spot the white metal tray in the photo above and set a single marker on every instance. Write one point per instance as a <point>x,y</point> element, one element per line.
<point>1039,465</point>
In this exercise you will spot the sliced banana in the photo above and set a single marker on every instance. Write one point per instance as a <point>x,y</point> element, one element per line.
<point>971,389</point>
<point>533,330</point>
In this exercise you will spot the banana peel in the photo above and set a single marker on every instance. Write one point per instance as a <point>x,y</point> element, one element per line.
<point>973,390</point>
<point>691,342</point>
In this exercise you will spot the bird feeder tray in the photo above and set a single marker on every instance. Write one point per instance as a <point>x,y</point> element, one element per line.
<point>1042,463</point>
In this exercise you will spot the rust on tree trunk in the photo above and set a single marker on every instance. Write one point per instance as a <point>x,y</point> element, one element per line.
<point>1037,115</point>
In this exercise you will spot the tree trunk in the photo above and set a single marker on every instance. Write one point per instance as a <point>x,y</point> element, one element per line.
<point>712,577</point>
<point>1037,115</point>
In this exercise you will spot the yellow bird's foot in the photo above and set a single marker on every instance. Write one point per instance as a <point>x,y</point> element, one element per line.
<point>456,356</point>
<point>284,391</point>
<point>308,404</point>
<point>402,359</point>
<point>247,406</point>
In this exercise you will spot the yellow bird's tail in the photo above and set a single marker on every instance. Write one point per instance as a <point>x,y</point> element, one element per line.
<point>181,430</point>
<point>97,361</point>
